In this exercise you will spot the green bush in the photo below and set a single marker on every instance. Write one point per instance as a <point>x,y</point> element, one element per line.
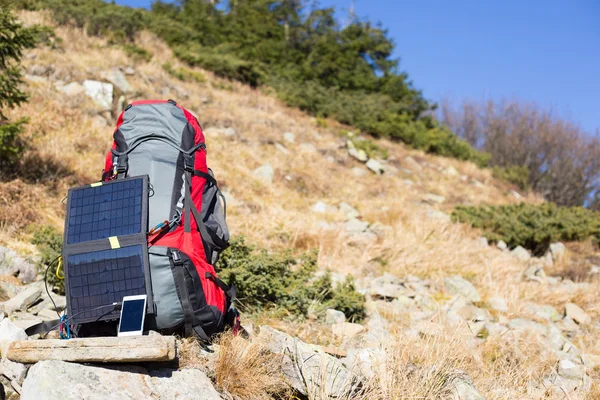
<point>531,226</point>
<point>137,53</point>
<point>223,65</point>
<point>283,282</point>
<point>515,174</point>
<point>12,145</point>
<point>184,74</point>
<point>49,243</point>
<point>370,147</point>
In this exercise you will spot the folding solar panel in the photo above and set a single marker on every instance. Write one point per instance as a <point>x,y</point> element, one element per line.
<point>105,253</point>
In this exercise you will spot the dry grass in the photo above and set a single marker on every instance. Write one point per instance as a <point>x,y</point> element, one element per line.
<point>68,148</point>
<point>246,371</point>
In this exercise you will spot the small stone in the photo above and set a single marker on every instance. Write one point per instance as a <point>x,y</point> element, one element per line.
<point>375,166</point>
<point>569,370</point>
<point>535,272</point>
<point>360,155</point>
<point>434,198</point>
<point>557,250</point>
<point>501,245</point>
<point>498,304</point>
<point>282,148</point>
<point>450,171</point>
<point>129,71</point>
<point>23,300</point>
<point>459,286</point>
<point>334,317</point>
<point>516,194</point>
<point>575,312</point>
<point>355,225</point>
<point>482,242</point>
<point>117,78</point>
<point>320,207</point>
<point>265,173</point>
<point>289,137</point>
<point>594,270</point>
<point>100,92</point>
<point>348,211</point>
<point>520,253</point>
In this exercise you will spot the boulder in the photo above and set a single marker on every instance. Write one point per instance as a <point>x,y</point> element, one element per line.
<point>62,380</point>
<point>348,211</point>
<point>355,226</point>
<point>9,332</point>
<point>360,155</point>
<point>307,368</point>
<point>71,89</point>
<point>289,137</point>
<point>457,285</point>
<point>12,264</point>
<point>375,166</point>
<point>116,77</point>
<point>264,173</point>
<point>13,370</point>
<point>520,253</point>
<point>557,250</point>
<point>346,330</point>
<point>100,92</point>
<point>498,304</point>
<point>23,299</point>
<point>334,317</point>
<point>577,314</point>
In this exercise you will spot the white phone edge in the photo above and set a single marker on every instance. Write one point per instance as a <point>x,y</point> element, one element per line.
<point>133,333</point>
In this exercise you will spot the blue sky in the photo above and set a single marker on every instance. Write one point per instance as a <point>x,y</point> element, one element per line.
<point>546,51</point>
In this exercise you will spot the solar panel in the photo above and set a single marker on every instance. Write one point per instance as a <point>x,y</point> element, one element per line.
<point>104,277</point>
<point>106,251</point>
<point>99,212</point>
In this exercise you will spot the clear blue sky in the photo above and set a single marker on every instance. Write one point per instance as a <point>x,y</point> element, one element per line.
<point>547,51</point>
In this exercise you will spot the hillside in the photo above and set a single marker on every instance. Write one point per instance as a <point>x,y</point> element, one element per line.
<point>439,298</point>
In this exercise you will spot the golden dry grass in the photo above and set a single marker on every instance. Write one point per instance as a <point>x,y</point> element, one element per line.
<point>67,148</point>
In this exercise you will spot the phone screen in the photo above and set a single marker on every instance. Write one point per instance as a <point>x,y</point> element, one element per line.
<point>132,315</point>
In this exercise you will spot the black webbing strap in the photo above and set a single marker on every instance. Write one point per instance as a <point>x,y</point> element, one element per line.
<point>206,176</point>
<point>188,313</point>
<point>230,291</point>
<point>43,327</point>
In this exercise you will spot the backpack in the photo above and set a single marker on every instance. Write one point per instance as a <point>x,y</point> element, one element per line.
<point>186,210</point>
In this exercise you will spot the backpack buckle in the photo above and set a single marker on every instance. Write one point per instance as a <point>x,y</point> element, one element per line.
<point>188,163</point>
<point>176,257</point>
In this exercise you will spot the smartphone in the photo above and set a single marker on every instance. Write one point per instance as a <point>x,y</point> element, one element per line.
<point>133,313</point>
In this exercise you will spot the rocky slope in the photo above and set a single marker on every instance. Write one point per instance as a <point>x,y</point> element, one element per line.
<point>448,314</point>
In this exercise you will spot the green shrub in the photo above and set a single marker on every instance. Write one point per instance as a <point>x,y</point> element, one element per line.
<point>370,147</point>
<point>286,283</point>
<point>137,53</point>
<point>531,226</point>
<point>223,65</point>
<point>12,145</point>
<point>515,174</point>
<point>49,243</point>
<point>184,74</point>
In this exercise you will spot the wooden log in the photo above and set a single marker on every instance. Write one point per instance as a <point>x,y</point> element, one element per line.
<point>100,349</point>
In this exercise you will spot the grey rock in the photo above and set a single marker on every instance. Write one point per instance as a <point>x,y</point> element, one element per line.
<point>362,239</point>
<point>282,149</point>
<point>577,314</point>
<point>542,312</point>
<point>434,198</point>
<point>265,173</point>
<point>474,314</point>
<point>450,171</point>
<point>498,304</point>
<point>437,215</point>
<point>494,329</point>
<point>355,226</point>
<point>482,242</point>
<point>12,264</point>
<point>360,155</point>
<point>557,250</point>
<point>100,92</point>
<point>501,245</point>
<point>348,211</point>
<point>320,207</point>
<point>462,388</point>
<point>386,279</point>
<point>23,300</point>
<point>366,360</point>
<point>129,71</point>
<point>387,291</point>
<point>117,78</point>
<point>36,79</point>
<point>460,286</point>
<point>594,270</point>
<point>59,379</point>
<point>334,317</point>
<point>306,368</point>
<point>9,332</point>
<point>520,253</point>
<point>527,326</point>
<point>570,370</point>
<point>71,89</point>
<point>13,370</point>
<point>375,166</point>
<point>535,272</point>
<point>289,137</point>
<point>567,325</point>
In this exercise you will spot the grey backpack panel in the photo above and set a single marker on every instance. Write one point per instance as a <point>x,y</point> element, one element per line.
<point>169,312</point>
<point>213,215</point>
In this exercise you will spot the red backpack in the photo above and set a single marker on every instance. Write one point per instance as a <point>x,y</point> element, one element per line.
<point>186,210</point>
